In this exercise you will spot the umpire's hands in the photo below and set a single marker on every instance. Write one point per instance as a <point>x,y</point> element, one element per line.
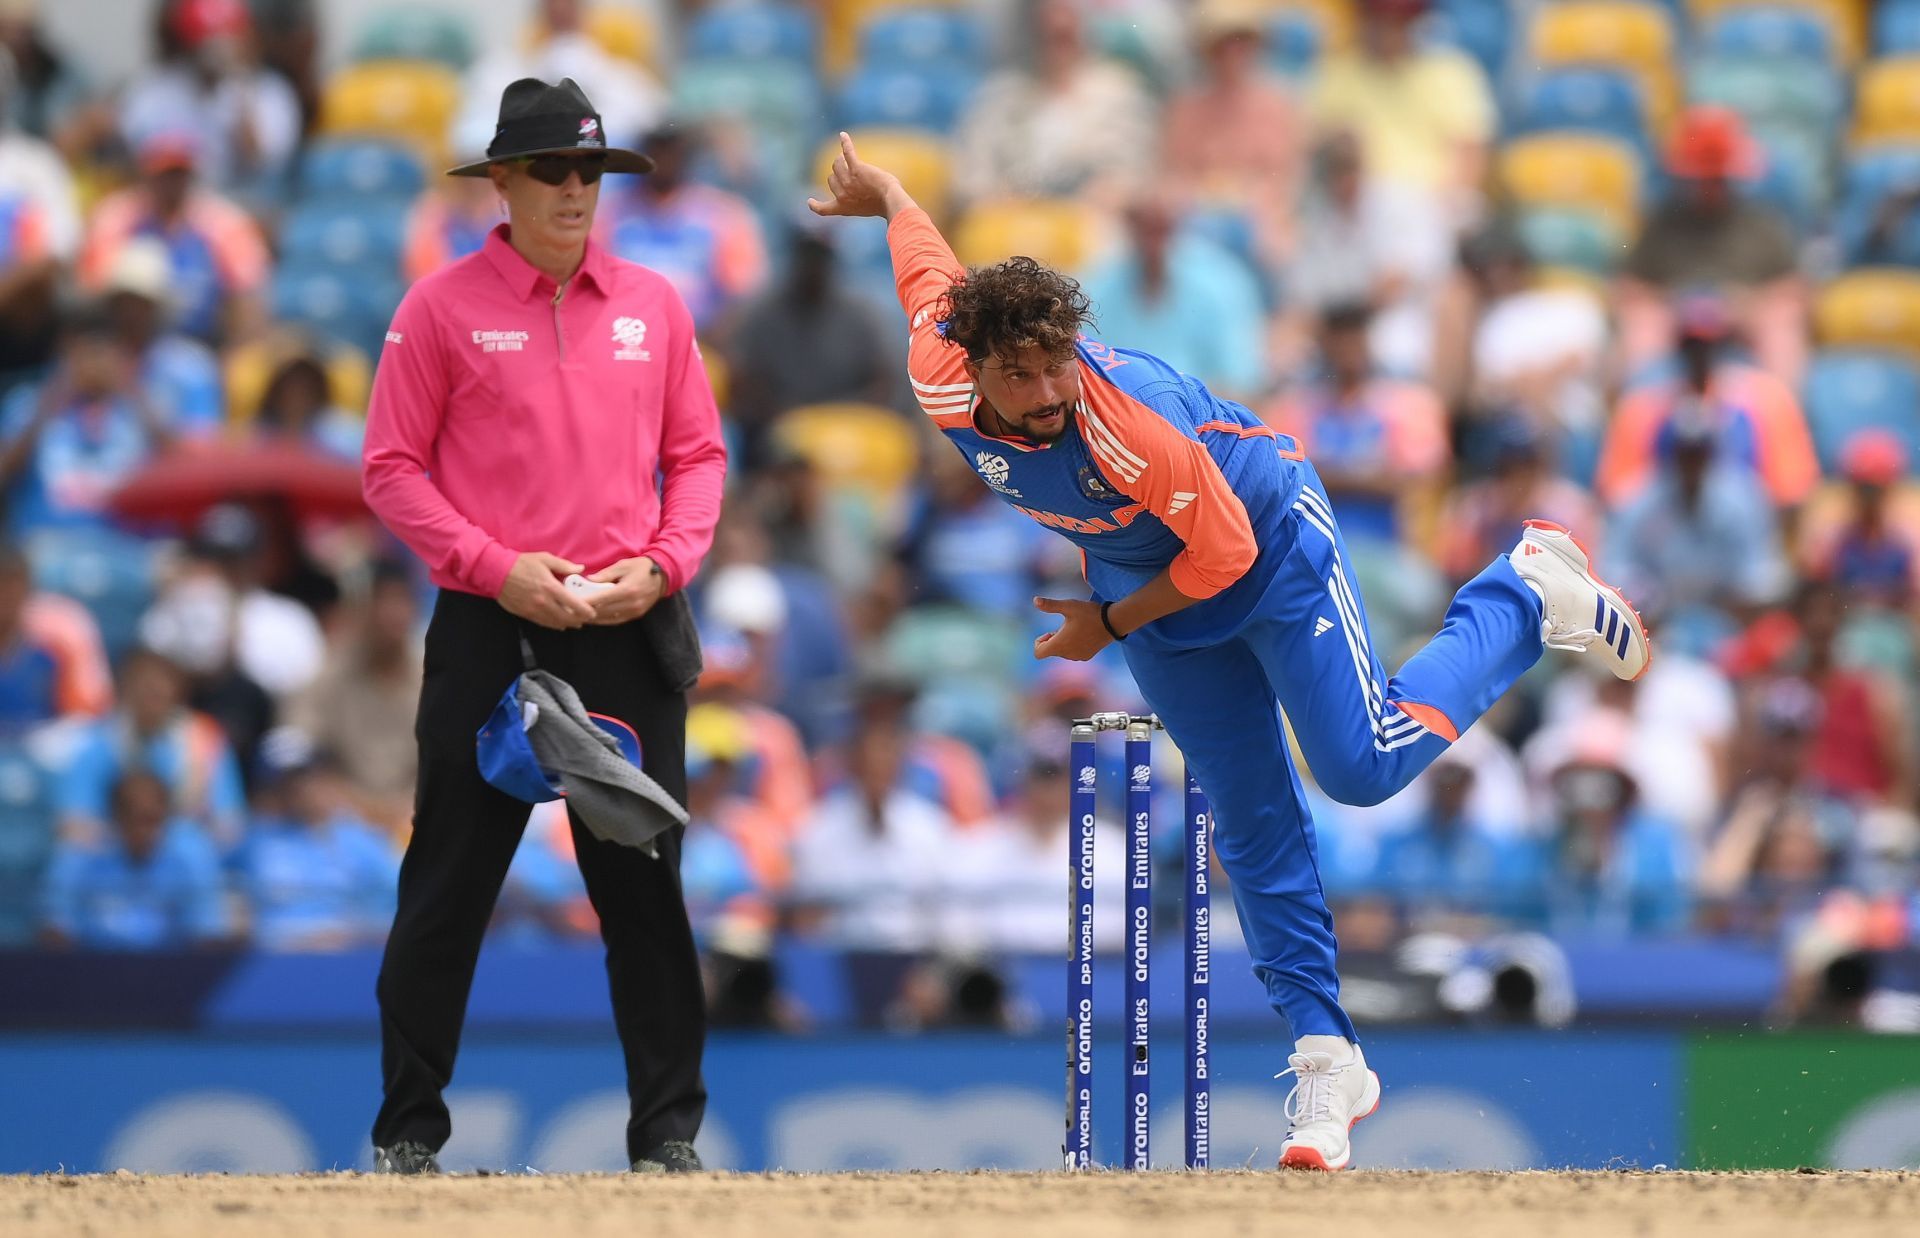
<point>636,587</point>
<point>535,593</point>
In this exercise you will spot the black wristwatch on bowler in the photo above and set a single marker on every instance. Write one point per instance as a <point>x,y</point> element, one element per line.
<point>1108,623</point>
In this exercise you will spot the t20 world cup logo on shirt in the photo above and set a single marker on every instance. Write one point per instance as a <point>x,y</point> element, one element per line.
<point>628,335</point>
<point>995,470</point>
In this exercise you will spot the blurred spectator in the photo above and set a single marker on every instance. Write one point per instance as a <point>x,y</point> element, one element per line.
<point>1483,518</point>
<point>51,663</point>
<point>450,219</point>
<point>46,92</point>
<point>361,707</point>
<point>627,96</point>
<point>152,883</point>
<point>1710,233</point>
<point>1785,834</point>
<point>1609,868</point>
<point>936,765</point>
<point>703,239</point>
<point>218,260</point>
<point>1368,241</point>
<point>734,862</point>
<point>963,546</point>
<point>152,729</point>
<point>1380,444</point>
<point>544,895</point>
<point>1870,546</point>
<point>1424,115</point>
<point>1006,882</point>
<point>1701,534</point>
<point>318,876</point>
<point>868,866</point>
<point>1760,428</point>
<point>287,37</point>
<point>1234,138</point>
<point>773,774</point>
<point>1447,863</point>
<point>247,117</point>
<point>807,339</point>
<point>1069,125</point>
<point>1863,730</point>
<point>68,442</point>
<point>181,375</point>
<point>28,271</point>
<point>1507,342</point>
<point>1190,300</point>
<point>298,406</point>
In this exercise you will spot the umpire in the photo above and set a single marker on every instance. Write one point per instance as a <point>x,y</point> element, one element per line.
<point>541,410</point>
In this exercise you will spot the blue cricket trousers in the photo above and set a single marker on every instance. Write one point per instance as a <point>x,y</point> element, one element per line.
<point>1307,651</point>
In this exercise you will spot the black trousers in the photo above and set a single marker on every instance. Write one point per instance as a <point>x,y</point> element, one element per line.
<point>464,836</point>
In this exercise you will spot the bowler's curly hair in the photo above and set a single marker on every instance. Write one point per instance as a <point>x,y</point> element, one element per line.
<point>1013,305</point>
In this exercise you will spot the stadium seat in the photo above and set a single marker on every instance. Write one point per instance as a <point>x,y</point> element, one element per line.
<point>1480,28</point>
<point>1335,18</point>
<point>1847,19</point>
<point>907,96</point>
<point>1634,36</point>
<point>26,843</point>
<point>1598,100</point>
<point>1873,175</point>
<point>1766,91</point>
<point>871,450</point>
<point>1294,40</point>
<point>779,102</point>
<point>358,168</point>
<point>1573,170</point>
<point>416,32</point>
<point>924,166</point>
<point>250,366</point>
<point>621,31</point>
<point>1771,33</point>
<point>1056,232</point>
<point>1573,239</point>
<point>348,305</point>
<point>346,233</point>
<point>109,572</point>
<point>1797,179</point>
<point>1871,308</point>
<point>1887,104</point>
<point>924,36</point>
<point>753,32</point>
<point>1896,29</point>
<point>412,100</point>
<point>1848,391</point>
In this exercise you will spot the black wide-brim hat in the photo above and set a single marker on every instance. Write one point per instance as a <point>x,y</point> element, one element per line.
<point>538,119</point>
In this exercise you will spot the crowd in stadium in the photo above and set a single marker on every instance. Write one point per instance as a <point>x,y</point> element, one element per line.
<point>1643,268</point>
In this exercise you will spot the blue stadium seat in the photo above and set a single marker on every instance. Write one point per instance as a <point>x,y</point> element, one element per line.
<point>1848,391</point>
<point>1596,100</point>
<point>26,842</point>
<point>1767,90</point>
<point>1293,42</point>
<point>924,36</point>
<point>1784,33</point>
<point>105,570</point>
<point>1480,28</point>
<point>1896,28</point>
<point>1871,177</point>
<point>754,32</point>
<point>924,96</point>
<point>352,305</point>
<point>779,102</point>
<point>1797,179</point>
<point>344,232</point>
<point>353,168</point>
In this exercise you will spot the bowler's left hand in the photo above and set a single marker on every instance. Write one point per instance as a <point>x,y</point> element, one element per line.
<point>636,587</point>
<point>1079,638</point>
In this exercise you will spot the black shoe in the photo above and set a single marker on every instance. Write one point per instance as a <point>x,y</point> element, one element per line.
<point>675,1156</point>
<point>405,1157</point>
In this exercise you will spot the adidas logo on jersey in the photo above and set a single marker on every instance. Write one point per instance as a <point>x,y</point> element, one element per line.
<point>1321,625</point>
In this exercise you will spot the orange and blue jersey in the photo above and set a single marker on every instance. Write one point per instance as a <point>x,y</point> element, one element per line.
<point>1154,473</point>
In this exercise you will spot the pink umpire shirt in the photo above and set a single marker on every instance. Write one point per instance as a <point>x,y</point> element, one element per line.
<point>510,415</point>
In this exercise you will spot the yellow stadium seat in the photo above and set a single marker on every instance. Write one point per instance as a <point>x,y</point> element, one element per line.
<point>251,366</point>
<point>1057,232</point>
<point>1566,169</point>
<point>1887,101</point>
<point>413,100</point>
<point>923,163</point>
<point>1847,18</point>
<point>861,447</point>
<point>1629,35</point>
<point>1871,309</point>
<point>622,32</point>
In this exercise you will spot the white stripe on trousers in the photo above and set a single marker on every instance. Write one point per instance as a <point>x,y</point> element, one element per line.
<point>1387,735</point>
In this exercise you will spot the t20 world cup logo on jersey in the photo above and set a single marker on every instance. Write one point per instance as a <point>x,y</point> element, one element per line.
<point>995,470</point>
<point>628,335</point>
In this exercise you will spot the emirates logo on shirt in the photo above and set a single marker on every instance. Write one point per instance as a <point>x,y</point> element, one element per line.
<point>628,335</point>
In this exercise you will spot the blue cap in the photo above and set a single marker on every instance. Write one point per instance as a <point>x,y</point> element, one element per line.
<point>506,756</point>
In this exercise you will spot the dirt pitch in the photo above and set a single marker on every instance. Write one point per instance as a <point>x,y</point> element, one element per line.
<point>1353,1205</point>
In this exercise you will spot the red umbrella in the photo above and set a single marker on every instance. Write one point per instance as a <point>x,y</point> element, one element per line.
<point>192,477</point>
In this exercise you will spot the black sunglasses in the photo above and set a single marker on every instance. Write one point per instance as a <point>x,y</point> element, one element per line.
<point>554,169</point>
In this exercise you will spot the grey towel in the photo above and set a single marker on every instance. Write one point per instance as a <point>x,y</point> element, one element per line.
<point>675,640</point>
<point>615,799</point>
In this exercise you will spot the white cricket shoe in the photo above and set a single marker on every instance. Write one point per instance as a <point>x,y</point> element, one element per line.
<point>1582,613</point>
<point>1327,1099</point>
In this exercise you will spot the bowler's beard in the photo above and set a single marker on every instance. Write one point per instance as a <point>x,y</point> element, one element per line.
<point>1033,423</point>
